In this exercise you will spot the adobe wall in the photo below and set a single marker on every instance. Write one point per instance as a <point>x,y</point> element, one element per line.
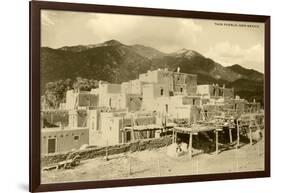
<point>65,139</point>
<point>185,83</point>
<point>116,149</point>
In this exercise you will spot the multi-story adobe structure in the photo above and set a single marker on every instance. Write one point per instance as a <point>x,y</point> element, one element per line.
<point>137,109</point>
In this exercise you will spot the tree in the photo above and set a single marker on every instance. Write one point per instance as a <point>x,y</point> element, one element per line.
<point>55,92</point>
<point>85,84</point>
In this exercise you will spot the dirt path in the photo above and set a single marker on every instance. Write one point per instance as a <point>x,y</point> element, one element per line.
<point>156,163</point>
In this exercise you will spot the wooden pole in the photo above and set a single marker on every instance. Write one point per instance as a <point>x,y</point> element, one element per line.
<point>173,139</point>
<point>122,136</point>
<point>147,134</point>
<point>133,135</point>
<point>132,126</point>
<point>230,135</point>
<point>251,140</point>
<point>190,146</point>
<point>258,127</point>
<point>122,132</point>
<point>217,142</point>
<point>238,134</point>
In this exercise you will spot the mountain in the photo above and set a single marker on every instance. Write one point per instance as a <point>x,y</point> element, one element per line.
<point>191,61</point>
<point>249,73</point>
<point>248,89</point>
<point>80,48</point>
<point>147,52</point>
<point>116,62</point>
<point>185,53</point>
<point>110,61</point>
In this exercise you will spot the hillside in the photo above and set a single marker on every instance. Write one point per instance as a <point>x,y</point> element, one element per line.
<point>249,73</point>
<point>113,63</point>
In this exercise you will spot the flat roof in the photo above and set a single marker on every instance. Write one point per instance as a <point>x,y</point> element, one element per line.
<point>53,129</point>
<point>143,127</point>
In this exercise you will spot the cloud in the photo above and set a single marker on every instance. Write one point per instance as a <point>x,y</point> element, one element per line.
<point>166,34</point>
<point>228,54</point>
<point>46,18</point>
<point>226,46</point>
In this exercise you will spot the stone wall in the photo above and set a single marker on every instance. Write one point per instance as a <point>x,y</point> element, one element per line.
<point>116,149</point>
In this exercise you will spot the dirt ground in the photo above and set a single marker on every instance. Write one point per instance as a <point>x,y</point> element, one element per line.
<point>155,163</point>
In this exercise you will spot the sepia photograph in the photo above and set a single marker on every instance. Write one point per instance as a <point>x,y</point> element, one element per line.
<point>136,96</point>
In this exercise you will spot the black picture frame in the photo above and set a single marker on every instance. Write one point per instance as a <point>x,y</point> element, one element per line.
<point>34,99</point>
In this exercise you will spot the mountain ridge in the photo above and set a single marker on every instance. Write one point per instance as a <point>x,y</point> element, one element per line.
<point>116,62</point>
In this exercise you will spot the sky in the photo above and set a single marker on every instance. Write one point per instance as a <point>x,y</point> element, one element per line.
<point>225,42</point>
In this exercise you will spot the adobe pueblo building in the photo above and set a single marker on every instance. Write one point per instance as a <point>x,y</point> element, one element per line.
<point>158,103</point>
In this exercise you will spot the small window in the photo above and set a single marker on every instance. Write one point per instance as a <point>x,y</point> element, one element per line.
<point>76,137</point>
<point>162,91</point>
<point>181,89</point>
<point>193,101</point>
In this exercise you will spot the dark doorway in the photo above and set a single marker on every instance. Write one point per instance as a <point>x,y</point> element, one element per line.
<point>128,136</point>
<point>51,145</point>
